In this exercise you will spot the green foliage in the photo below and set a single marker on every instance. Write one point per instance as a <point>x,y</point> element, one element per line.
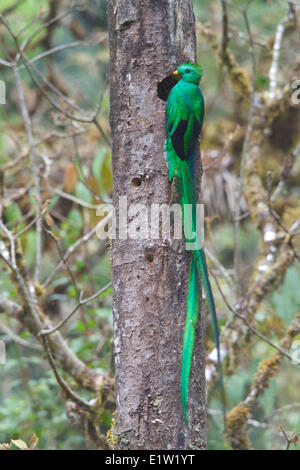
<point>287,299</point>
<point>30,398</point>
<point>83,193</point>
<point>30,247</point>
<point>30,402</point>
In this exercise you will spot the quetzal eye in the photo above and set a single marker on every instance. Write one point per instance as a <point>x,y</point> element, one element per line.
<point>187,71</point>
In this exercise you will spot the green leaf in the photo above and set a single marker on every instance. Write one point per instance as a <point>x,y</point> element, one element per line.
<point>75,218</point>
<point>77,164</point>
<point>287,299</point>
<point>102,171</point>
<point>53,201</point>
<point>80,326</point>
<point>83,193</point>
<point>13,213</point>
<point>30,248</point>
<point>98,163</point>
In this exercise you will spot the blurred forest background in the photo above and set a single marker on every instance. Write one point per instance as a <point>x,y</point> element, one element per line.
<point>55,168</point>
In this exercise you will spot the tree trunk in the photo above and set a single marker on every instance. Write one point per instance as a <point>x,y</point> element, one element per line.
<point>148,40</point>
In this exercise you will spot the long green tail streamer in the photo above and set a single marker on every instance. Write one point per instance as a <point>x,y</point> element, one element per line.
<point>198,269</point>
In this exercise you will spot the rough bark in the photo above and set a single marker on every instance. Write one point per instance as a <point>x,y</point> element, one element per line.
<point>148,40</point>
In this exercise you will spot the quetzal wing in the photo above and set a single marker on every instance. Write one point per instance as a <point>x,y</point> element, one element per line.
<point>185,135</point>
<point>195,122</point>
<point>184,122</point>
<point>177,121</point>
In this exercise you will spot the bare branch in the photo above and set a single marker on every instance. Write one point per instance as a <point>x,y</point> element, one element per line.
<point>69,393</point>
<point>80,303</point>
<point>237,251</point>
<point>34,160</point>
<point>70,197</point>
<point>63,47</point>
<point>275,59</point>
<point>91,119</point>
<point>249,326</point>
<point>77,244</point>
<point>64,261</point>
<point>225,38</point>
<point>11,334</point>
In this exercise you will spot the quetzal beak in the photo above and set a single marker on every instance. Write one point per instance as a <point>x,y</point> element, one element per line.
<point>176,75</point>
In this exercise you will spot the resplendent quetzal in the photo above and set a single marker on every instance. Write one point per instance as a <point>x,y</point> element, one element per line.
<point>185,114</point>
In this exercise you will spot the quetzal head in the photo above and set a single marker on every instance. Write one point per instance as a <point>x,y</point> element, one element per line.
<point>190,72</point>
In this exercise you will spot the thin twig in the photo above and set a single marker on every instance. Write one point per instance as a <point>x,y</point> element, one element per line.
<point>34,160</point>
<point>76,368</point>
<point>44,26</point>
<point>5,63</point>
<point>64,386</point>
<point>237,251</point>
<point>63,47</point>
<point>70,197</point>
<point>21,232</point>
<point>81,302</point>
<point>64,261</point>
<point>11,334</point>
<point>86,119</point>
<point>48,136</point>
<point>225,38</point>
<point>273,72</point>
<point>250,327</point>
<point>291,439</point>
<point>251,422</point>
<point>225,273</point>
<point>75,245</point>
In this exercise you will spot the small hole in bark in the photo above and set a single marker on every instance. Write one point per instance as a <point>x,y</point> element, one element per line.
<point>136,182</point>
<point>165,86</point>
<point>147,299</point>
<point>149,258</point>
<point>138,277</point>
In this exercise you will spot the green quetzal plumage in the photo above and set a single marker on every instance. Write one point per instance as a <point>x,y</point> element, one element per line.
<point>185,114</point>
